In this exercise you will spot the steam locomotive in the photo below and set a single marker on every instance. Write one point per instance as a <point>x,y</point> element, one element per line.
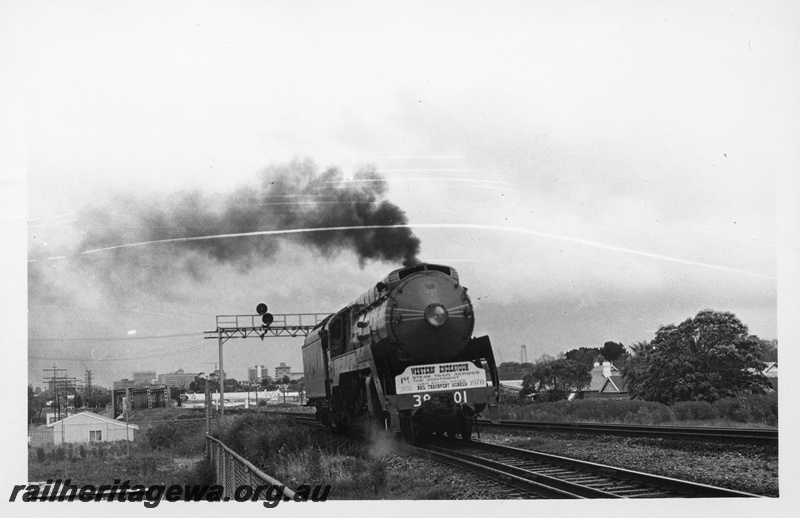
<point>401,357</point>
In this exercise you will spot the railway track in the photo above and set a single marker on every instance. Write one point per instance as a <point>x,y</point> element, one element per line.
<point>552,476</point>
<point>531,474</point>
<point>738,435</point>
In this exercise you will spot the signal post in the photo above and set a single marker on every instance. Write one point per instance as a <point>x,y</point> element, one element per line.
<point>263,325</point>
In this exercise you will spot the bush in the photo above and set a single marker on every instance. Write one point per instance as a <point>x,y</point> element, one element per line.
<point>185,437</point>
<point>258,437</point>
<point>202,473</point>
<point>751,408</point>
<point>590,410</point>
<point>295,454</point>
<point>693,411</point>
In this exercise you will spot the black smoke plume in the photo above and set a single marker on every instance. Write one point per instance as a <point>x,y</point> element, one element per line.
<point>290,196</point>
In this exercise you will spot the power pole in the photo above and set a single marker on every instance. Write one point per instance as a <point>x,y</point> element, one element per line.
<point>127,427</point>
<point>88,402</point>
<point>54,385</point>
<point>66,393</point>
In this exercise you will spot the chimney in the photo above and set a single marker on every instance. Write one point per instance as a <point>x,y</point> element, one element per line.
<point>607,369</point>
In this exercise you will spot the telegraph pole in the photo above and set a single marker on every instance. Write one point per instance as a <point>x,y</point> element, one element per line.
<point>54,386</point>
<point>88,402</point>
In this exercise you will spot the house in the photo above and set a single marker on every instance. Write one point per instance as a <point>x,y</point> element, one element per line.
<point>615,387</point>
<point>771,372</point>
<point>90,427</point>
<point>599,386</point>
<point>511,387</point>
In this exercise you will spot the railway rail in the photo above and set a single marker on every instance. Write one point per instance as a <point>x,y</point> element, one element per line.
<point>738,435</point>
<point>552,476</point>
<point>541,475</point>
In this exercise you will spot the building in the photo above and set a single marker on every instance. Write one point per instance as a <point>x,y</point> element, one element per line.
<point>176,379</point>
<point>138,398</point>
<point>771,372</point>
<point>144,377</point>
<point>123,384</point>
<point>256,374</point>
<point>615,387</point>
<point>85,427</point>
<point>511,387</point>
<point>281,371</point>
<point>600,386</point>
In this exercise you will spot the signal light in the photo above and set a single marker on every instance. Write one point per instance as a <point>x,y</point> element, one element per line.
<point>261,308</point>
<point>267,319</point>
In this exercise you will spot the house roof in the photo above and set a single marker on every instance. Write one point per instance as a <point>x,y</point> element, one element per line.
<point>614,383</point>
<point>598,379</point>
<point>92,415</point>
<point>513,385</point>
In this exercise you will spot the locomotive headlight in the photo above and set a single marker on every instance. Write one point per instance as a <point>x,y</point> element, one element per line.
<point>436,315</point>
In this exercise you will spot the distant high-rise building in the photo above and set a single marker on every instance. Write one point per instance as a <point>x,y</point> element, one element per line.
<point>144,377</point>
<point>281,371</point>
<point>523,354</point>
<point>177,379</point>
<point>124,383</point>
<point>256,374</point>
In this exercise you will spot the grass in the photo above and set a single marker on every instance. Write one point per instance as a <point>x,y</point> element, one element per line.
<point>295,454</point>
<point>171,451</point>
<point>758,411</point>
<point>153,459</point>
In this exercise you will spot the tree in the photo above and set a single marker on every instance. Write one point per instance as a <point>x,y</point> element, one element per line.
<point>640,348</point>
<point>100,397</point>
<point>705,358</point>
<point>35,405</point>
<point>612,350</point>
<point>584,355</point>
<point>513,370</point>
<point>199,384</point>
<point>636,365</point>
<point>768,350</point>
<point>555,379</point>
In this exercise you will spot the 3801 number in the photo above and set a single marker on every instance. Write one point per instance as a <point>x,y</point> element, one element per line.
<point>458,397</point>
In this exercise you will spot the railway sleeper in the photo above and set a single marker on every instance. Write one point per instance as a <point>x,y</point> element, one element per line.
<point>581,480</point>
<point>629,492</point>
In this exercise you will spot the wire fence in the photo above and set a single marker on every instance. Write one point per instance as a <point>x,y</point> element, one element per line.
<point>233,471</point>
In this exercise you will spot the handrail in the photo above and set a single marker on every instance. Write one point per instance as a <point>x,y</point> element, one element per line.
<point>249,466</point>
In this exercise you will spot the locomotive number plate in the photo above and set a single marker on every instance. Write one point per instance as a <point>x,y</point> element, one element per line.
<point>440,376</point>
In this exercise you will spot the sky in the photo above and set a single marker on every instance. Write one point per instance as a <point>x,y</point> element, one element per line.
<point>592,171</point>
